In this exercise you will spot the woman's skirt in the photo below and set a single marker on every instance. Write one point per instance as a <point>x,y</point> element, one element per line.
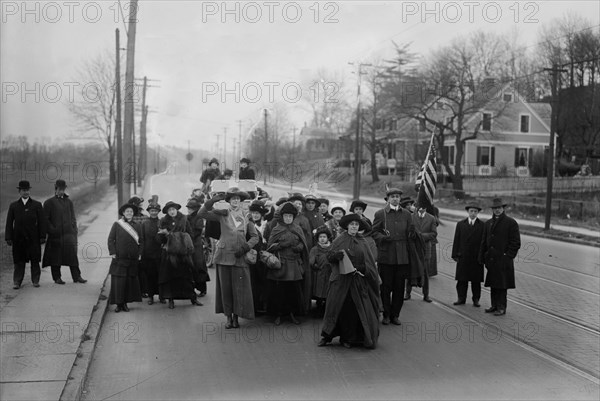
<point>234,291</point>
<point>124,290</point>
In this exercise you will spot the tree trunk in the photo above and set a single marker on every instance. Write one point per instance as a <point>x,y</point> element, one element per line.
<point>374,172</point>
<point>457,179</point>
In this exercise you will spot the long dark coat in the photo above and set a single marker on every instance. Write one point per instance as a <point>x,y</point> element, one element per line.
<point>175,271</point>
<point>394,252</point>
<point>200,271</point>
<point>25,227</point>
<point>499,246</point>
<point>427,226</point>
<point>465,250</point>
<point>127,251</point>
<point>124,268</point>
<point>364,290</point>
<point>61,247</point>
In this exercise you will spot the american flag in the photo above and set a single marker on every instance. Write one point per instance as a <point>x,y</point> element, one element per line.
<point>427,179</point>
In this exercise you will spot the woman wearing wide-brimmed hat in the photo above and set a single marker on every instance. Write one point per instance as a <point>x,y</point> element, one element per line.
<point>353,302</point>
<point>238,236</point>
<point>175,275</point>
<point>125,245</point>
<point>151,251</point>
<point>288,242</point>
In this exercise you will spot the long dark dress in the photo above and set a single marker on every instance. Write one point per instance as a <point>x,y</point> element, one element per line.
<point>286,291</point>
<point>321,268</point>
<point>353,302</point>
<point>258,273</point>
<point>124,282</point>
<point>151,254</point>
<point>200,271</point>
<point>175,271</point>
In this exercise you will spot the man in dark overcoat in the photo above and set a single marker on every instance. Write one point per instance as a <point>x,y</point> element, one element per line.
<point>246,173</point>
<point>465,252</point>
<point>426,224</point>
<point>499,246</point>
<point>25,232</point>
<point>61,247</point>
<point>391,226</point>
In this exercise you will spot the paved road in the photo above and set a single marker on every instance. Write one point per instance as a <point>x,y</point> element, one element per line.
<point>439,351</point>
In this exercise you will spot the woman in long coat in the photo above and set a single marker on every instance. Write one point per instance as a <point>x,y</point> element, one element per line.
<point>258,271</point>
<point>353,302</point>
<point>287,241</point>
<point>320,266</point>
<point>238,235</point>
<point>175,274</point>
<point>200,271</point>
<point>125,244</point>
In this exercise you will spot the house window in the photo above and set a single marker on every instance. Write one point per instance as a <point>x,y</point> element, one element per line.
<point>523,157</point>
<point>507,97</point>
<point>422,126</point>
<point>485,155</point>
<point>449,154</point>
<point>524,123</point>
<point>486,122</point>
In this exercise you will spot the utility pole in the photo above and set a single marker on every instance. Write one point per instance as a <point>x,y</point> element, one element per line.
<point>218,148</point>
<point>120,196</point>
<point>225,147</point>
<point>357,145</point>
<point>239,156</point>
<point>142,160</point>
<point>553,127</point>
<point>135,163</point>
<point>129,99</point>
<point>266,150</point>
<point>293,161</point>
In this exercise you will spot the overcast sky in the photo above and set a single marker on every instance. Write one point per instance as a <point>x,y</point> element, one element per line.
<point>196,49</point>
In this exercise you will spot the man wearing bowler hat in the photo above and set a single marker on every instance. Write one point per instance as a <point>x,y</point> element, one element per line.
<point>246,173</point>
<point>25,232</point>
<point>61,247</point>
<point>499,246</point>
<point>391,226</point>
<point>465,252</point>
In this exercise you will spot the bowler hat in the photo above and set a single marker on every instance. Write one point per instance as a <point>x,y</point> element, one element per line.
<point>472,206</point>
<point>213,160</point>
<point>296,196</point>
<point>357,203</point>
<point>169,205</point>
<point>126,206</point>
<point>288,208</point>
<point>312,198</point>
<point>353,217</point>
<point>60,184</point>
<point>235,191</point>
<point>245,160</point>
<point>497,202</point>
<point>24,185</point>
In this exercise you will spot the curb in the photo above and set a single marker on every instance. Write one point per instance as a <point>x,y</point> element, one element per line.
<point>73,389</point>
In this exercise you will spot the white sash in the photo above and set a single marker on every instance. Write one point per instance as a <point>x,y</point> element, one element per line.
<point>130,230</point>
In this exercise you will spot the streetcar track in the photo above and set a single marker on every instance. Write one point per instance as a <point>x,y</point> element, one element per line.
<point>536,308</point>
<point>531,347</point>
<point>556,282</point>
<point>595,275</point>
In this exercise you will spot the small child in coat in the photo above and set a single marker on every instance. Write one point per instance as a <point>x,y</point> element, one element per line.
<point>320,266</point>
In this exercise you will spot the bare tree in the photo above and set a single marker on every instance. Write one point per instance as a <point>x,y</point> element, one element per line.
<point>455,82</point>
<point>93,112</point>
